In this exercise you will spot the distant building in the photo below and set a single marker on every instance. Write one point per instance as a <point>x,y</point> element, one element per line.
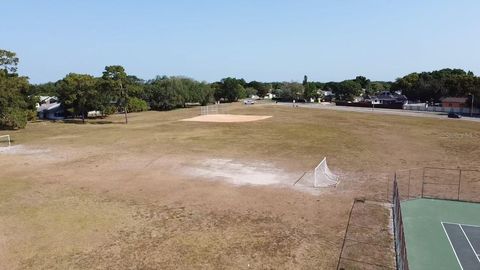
<point>454,102</point>
<point>50,108</point>
<point>326,95</point>
<point>269,96</point>
<point>47,100</point>
<point>387,97</point>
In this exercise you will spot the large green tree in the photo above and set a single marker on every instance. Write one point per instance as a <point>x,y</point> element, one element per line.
<point>290,91</point>
<point>115,85</point>
<point>78,94</point>
<point>305,81</point>
<point>432,86</point>
<point>309,89</point>
<point>261,88</point>
<point>165,93</point>
<point>16,107</point>
<point>363,81</point>
<point>348,90</point>
<point>231,89</point>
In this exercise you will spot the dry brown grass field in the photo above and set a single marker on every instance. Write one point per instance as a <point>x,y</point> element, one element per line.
<point>160,193</point>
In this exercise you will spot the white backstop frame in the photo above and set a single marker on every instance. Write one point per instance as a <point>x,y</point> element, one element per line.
<point>213,109</point>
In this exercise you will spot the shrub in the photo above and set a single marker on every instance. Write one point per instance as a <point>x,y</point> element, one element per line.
<point>31,115</point>
<point>137,105</point>
<point>14,119</point>
<point>110,110</point>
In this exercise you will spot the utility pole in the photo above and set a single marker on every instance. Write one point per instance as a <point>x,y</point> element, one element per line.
<point>123,95</point>
<point>471,108</point>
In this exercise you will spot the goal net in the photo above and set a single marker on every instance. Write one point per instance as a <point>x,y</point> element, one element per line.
<point>322,176</point>
<point>213,109</point>
<point>5,140</point>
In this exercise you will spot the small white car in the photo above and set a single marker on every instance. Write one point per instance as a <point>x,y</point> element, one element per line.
<point>249,102</point>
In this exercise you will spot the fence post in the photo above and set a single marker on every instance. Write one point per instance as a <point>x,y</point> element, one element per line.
<point>423,181</point>
<point>388,199</point>
<point>345,236</point>
<point>408,188</point>
<point>459,183</point>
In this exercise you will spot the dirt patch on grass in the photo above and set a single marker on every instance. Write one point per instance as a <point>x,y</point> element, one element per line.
<point>22,150</point>
<point>226,118</point>
<point>240,173</point>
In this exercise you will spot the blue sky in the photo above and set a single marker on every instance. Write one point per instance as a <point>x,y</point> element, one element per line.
<point>262,40</point>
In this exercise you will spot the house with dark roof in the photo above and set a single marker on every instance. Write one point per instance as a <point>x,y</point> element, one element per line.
<point>454,102</point>
<point>387,97</point>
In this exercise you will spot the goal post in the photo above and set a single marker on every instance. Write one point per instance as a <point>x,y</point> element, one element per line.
<point>5,140</point>
<point>323,177</point>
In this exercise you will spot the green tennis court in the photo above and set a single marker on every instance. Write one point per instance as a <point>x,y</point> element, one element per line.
<point>442,234</point>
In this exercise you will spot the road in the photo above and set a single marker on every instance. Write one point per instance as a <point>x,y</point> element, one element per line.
<point>438,115</point>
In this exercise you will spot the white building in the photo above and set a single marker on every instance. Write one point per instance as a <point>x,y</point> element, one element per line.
<point>269,96</point>
<point>50,108</point>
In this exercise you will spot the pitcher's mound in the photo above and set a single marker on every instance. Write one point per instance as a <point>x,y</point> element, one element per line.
<point>226,118</point>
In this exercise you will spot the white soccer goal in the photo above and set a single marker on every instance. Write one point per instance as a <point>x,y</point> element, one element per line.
<point>213,109</point>
<point>5,141</point>
<point>323,177</point>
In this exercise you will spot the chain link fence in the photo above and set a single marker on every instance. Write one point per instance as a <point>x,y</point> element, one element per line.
<point>439,183</point>
<point>432,183</point>
<point>398,229</point>
<point>369,243</point>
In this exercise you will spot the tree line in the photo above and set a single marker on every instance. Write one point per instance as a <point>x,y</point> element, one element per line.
<point>432,86</point>
<point>117,91</point>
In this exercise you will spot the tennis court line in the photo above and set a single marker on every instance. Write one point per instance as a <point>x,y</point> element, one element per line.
<point>450,241</point>
<point>470,243</point>
<point>472,226</point>
<point>461,224</point>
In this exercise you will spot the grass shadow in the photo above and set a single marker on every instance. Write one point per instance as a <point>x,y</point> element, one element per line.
<point>87,122</point>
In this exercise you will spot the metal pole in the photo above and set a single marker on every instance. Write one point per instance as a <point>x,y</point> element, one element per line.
<point>408,188</point>
<point>423,181</point>
<point>471,108</point>
<point>459,183</point>
<point>388,198</point>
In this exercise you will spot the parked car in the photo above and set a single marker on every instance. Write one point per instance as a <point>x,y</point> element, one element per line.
<point>249,102</point>
<point>454,115</point>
